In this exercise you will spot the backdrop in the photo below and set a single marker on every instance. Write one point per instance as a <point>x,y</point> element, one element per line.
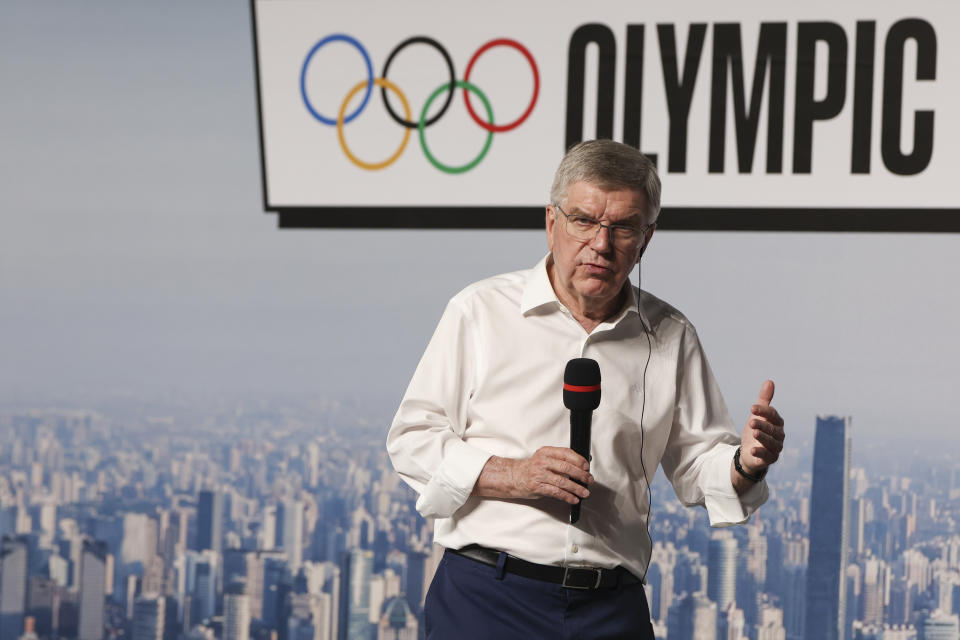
<point>136,256</point>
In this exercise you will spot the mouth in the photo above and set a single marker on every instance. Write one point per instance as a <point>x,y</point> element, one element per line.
<point>597,269</point>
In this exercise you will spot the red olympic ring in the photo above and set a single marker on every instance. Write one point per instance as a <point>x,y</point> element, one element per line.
<point>536,85</point>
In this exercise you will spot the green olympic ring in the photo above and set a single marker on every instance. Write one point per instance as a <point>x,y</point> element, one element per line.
<point>422,125</point>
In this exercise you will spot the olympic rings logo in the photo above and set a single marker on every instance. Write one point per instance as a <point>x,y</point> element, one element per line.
<point>420,124</point>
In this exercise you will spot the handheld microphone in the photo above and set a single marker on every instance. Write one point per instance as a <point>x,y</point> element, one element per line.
<point>581,394</point>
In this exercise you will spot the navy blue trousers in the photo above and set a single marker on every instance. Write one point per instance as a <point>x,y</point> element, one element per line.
<point>469,600</point>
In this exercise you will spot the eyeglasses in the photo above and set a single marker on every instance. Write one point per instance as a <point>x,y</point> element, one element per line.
<point>585,228</point>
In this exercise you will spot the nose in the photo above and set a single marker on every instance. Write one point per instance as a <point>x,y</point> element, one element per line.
<point>601,241</point>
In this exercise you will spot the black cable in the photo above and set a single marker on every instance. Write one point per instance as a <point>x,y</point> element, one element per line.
<point>643,406</point>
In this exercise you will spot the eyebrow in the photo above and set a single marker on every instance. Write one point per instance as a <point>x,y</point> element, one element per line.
<point>636,217</point>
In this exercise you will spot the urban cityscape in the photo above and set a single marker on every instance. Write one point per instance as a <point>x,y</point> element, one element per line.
<point>258,520</point>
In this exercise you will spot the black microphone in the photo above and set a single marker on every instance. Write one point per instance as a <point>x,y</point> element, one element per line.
<point>581,394</point>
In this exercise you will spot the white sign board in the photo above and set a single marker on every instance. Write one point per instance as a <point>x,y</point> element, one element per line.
<point>815,115</point>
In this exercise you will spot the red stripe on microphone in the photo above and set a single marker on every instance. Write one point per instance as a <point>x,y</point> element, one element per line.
<point>573,387</point>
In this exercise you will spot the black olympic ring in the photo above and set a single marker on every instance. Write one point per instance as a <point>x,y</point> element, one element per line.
<point>453,80</point>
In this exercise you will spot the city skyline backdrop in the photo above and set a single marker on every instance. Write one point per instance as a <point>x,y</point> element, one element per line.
<point>184,512</point>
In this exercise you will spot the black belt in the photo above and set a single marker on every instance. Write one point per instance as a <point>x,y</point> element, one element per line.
<point>570,577</point>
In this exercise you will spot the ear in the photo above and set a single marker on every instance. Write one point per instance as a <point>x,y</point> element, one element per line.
<point>646,241</point>
<point>551,220</point>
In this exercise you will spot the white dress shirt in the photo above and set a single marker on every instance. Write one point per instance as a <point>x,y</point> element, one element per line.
<point>490,383</point>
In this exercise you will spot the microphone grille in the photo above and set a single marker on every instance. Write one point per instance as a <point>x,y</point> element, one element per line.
<point>581,384</point>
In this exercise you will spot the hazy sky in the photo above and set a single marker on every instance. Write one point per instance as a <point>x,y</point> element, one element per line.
<point>135,254</point>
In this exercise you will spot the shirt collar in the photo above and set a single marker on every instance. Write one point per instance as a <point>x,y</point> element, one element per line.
<point>538,292</point>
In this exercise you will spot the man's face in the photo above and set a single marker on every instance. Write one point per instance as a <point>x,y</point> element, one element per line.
<point>591,273</point>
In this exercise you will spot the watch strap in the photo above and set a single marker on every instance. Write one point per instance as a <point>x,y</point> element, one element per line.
<point>753,477</point>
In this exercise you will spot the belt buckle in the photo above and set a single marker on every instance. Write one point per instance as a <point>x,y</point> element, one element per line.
<point>566,574</point>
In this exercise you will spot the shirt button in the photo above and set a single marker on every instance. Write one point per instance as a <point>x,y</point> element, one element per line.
<point>575,548</point>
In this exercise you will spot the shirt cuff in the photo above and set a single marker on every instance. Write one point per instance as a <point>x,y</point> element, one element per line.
<point>724,506</point>
<point>453,482</point>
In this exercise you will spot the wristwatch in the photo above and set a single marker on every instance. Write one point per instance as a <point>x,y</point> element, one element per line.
<point>753,477</point>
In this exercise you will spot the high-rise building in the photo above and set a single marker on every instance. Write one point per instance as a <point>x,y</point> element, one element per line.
<point>256,575</point>
<point>209,521</point>
<point>854,602</point>
<point>203,602</point>
<point>692,617</point>
<point>268,532</point>
<point>43,604</point>
<point>940,626</point>
<point>876,589</point>
<point>794,597</point>
<point>660,579</point>
<point>290,531</point>
<point>276,586</point>
<point>149,617</point>
<point>689,574</point>
<point>310,615</point>
<point>13,587</point>
<point>93,581</point>
<point>858,518</point>
<point>171,617</point>
<point>138,546</point>
<point>236,614</point>
<point>722,569</point>
<point>331,586</point>
<point>751,571</point>
<point>901,602</point>
<point>414,585</point>
<point>355,595</point>
<point>731,623</point>
<point>172,532</point>
<point>770,623</point>
<point>397,621</point>
<point>829,530</point>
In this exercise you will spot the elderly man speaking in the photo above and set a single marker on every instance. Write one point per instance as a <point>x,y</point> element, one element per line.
<point>480,433</point>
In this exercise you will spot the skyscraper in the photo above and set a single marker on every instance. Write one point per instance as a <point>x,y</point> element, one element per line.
<point>794,595</point>
<point>13,587</point>
<point>731,623</point>
<point>93,581</point>
<point>276,586</point>
<point>204,592</point>
<point>876,589</point>
<point>268,534</point>
<point>941,626</point>
<point>829,530</point>
<point>355,595</point>
<point>209,521</point>
<point>149,617</point>
<point>660,579</point>
<point>770,623</point>
<point>290,531</point>
<point>137,549</point>
<point>397,622</point>
<point>236,614</point>
<point>722,569</point>
<point>693,617</point>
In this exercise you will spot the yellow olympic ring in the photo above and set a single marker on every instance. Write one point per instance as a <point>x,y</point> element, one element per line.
<point>373,166</point>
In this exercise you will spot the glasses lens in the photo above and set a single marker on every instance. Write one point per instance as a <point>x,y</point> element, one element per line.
<point>581,227</point>
<point>626,235</point>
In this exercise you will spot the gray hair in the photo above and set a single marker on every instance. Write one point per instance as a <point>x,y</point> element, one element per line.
<point>608,165</point>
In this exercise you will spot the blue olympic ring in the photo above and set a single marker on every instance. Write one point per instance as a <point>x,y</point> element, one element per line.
<point>303,77</point>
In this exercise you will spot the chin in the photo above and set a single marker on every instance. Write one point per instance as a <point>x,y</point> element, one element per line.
<point>599,290</point>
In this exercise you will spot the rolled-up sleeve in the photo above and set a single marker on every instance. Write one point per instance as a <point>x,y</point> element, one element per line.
<point>425,441</point>
<point>703,438</point>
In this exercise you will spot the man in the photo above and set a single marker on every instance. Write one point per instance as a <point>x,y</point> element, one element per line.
<point>480,433</point>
